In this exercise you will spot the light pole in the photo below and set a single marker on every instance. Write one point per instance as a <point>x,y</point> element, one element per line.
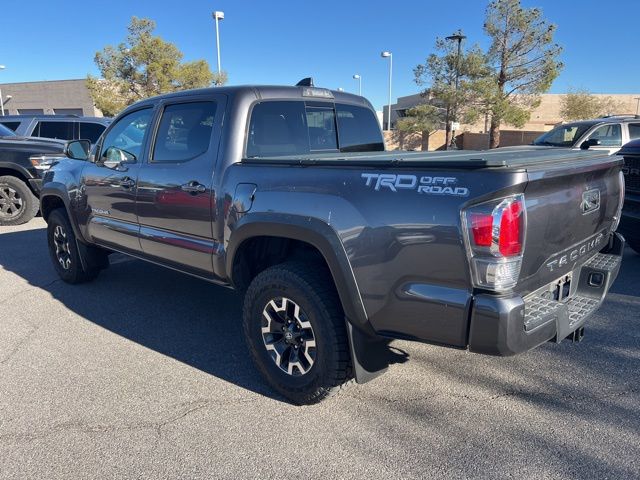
<point>359,78</point>
<point>637,104</point>
<point>217,16</point>
<point>2,67</point>
<point>389,55</point>
<point>456,37</point>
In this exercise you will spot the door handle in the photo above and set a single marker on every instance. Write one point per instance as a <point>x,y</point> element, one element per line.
<point>193,187</point>
<point>126,182</point>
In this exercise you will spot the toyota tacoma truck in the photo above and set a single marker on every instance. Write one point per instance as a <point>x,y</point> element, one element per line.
<point>288,195</point>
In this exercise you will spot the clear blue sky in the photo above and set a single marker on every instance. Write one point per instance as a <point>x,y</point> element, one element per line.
<point>283,41</point>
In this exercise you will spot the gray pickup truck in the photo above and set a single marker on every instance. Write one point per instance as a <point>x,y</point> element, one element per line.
<point>287,195</point>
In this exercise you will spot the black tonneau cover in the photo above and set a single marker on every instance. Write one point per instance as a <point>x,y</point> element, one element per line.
<point>509,157</point>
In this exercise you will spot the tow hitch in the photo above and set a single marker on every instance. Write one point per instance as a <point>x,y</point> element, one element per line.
<point>577,335</point>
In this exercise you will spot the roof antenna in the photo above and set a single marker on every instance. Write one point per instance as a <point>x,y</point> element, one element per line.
<point>305,82</point>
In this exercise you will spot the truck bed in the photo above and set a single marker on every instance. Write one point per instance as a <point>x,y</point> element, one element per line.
<point>509,157</point>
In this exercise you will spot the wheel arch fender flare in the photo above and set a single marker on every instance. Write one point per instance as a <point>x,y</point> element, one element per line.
<point>59,191</point>
<point>316,233</point>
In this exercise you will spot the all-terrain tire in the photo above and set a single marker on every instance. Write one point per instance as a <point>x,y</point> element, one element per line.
<point>310,287</point>
<point>64,252</point>
<point>18,204</point>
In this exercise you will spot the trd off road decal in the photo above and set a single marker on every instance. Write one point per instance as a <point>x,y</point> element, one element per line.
<point>422,184</point>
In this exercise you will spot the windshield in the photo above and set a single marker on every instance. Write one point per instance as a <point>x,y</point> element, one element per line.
<point>5,132</point>
<point>563,135</point>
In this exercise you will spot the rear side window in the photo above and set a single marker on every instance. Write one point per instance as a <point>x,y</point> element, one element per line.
<point>61,130</point>
<point>11,125</point>
<point>284,128</point>
<point>358,129</point>
<point>184,132</point>
<point>634,131</point>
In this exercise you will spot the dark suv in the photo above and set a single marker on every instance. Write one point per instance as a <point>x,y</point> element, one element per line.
<point>23,160</point>
<point>62,127</point>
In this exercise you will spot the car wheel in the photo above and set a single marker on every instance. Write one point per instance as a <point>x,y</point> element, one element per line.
<point>295,330</point>
<point>64,252</point>
<point>18,204</point>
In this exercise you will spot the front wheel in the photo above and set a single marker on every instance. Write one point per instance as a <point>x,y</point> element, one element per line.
<point>64,252</point>
<point>296,332</point>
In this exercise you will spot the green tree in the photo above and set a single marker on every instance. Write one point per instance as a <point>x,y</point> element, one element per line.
<point>438,76</point>
<point>424,119</point>
<point>582,105</point>
<point>143,66</point>
<point>524,63</point>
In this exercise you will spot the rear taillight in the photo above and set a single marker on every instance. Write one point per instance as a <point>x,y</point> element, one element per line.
<point>494,234</point>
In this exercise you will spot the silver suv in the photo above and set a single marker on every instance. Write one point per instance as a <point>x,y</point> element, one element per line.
<point>606,134</point>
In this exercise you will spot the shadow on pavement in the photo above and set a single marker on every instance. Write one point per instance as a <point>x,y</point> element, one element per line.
<point>185,318</point>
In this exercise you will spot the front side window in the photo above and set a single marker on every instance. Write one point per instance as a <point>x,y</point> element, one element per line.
<point>184,132</point>
<point>91,131</point>
<point>610,135</point>
<point>128,133</point>
<point>61,130</point>
<point>563,135</point>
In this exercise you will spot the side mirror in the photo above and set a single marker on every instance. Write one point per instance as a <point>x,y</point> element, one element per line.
<point>592,142</point>
<point>116,158</point>
<point>78,149</point>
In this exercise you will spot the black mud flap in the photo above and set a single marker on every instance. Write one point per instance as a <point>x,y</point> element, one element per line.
<point>370,355</point>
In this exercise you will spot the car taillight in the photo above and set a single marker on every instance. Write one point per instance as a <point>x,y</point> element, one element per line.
<point>494,234</point>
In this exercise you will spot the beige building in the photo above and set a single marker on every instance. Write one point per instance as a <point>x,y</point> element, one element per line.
<point>543,118</point>
<point>57,97</point>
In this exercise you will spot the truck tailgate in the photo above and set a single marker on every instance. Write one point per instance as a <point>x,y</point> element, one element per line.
<point>571,207</point>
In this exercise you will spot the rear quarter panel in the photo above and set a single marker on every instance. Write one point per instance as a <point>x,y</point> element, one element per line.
<point>405,248</point>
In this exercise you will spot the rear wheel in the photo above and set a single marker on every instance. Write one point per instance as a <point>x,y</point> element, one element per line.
<point>18,204</point>
<point>295,330</point>
<point>64,252</point>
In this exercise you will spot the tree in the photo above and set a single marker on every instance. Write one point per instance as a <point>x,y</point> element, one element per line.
<point>524,63</point>
<point>582,105</point>
<point>424,119</point>
<point>143,66</point>
<point>438,75</point>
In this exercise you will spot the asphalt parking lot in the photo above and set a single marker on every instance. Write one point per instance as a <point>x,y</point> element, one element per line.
<point>144,373</point>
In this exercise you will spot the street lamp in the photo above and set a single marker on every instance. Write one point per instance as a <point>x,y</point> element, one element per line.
<point>2,67</point>
<point>217,16</point>
<point>389,55</point>
<point>456,37</point>
<point>359,78</point>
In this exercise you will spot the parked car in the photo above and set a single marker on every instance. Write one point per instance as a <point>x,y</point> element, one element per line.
<point>62,127</point>
<point>337,245</point>
<point>606,134</point>
<point>22,162</point>
<point>630,223</point>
